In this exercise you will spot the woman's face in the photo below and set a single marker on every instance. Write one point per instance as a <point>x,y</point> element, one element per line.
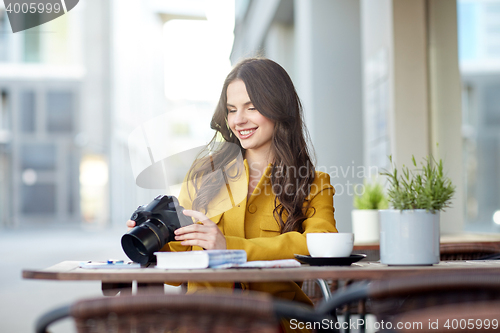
<point>252,129</point>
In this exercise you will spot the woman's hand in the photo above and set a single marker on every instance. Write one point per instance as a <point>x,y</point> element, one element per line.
<point>130,224</point>
<point>206,235</point>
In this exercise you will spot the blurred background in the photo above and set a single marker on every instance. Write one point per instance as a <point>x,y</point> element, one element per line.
<point>376,77</point>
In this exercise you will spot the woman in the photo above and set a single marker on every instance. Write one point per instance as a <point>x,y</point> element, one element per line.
<point>260,114</point>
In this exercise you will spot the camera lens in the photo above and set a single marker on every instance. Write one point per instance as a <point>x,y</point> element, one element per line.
<point>161,217</point>
<point>140,248</point>
<point>141,242</point>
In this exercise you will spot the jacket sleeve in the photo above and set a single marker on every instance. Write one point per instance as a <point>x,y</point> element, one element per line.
<point>284,246</point>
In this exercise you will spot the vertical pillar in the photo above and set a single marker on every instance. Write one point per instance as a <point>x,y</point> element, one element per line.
<point>328,68</point>
<point>410,116</point>
<point>445,106</point>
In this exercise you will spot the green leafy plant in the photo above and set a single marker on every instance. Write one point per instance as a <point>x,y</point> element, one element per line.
<point>426,188</point>
<point>373,197</point>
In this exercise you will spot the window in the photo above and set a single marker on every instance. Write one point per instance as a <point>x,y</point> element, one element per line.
<point>39,157</point>
<point>38,199</point>
<point>27,114</point>
<point>60,109</point>
<point>32,42</point>
<point>479,54</point>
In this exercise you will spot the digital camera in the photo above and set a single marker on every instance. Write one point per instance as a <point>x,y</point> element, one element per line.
<point>155,226</point>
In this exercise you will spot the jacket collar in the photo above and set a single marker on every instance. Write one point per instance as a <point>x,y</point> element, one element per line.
<point>235,217</point>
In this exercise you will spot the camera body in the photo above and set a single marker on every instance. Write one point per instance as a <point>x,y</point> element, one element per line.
<point>155,226</point>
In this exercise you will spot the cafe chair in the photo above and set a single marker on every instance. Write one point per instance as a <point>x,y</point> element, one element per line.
<point>319,289</point>
<point>470,251</point>
<point>204,312</point>
<point>389,299</point>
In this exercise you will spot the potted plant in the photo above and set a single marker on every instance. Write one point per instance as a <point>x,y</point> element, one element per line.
<point>409,233</point>
<point>365,216</point>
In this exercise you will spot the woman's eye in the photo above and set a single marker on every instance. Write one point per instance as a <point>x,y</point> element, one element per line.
<point>231,111</point>
<point>251,109</point>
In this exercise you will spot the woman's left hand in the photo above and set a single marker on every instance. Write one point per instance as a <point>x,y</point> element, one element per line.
<point>206,235</point>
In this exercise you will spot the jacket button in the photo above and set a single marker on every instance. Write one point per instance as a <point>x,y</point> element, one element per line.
<point>252,208</point>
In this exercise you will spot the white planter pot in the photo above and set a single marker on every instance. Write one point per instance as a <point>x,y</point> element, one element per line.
<point>409,237</point>
<point>365,225</point>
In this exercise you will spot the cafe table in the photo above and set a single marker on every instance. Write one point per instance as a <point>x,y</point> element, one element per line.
<point>363,270</point>
<point>367,269</point>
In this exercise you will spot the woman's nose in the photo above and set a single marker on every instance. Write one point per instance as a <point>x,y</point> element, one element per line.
<point>239,118</point>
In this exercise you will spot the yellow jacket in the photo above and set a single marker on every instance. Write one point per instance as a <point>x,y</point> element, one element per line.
<point>250,225</point>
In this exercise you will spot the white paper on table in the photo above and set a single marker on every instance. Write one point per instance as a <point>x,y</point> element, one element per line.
<point>282,263</point>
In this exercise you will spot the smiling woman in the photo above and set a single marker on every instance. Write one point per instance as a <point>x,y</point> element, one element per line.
<point>258,117</point>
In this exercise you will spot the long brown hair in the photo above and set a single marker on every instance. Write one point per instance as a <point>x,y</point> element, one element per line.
<point>273,94</point>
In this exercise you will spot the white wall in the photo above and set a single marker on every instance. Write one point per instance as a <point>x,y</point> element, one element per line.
<point>279,46</point>
<point>137,95</point>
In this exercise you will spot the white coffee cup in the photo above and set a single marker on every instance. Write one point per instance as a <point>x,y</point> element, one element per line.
<point>330,244</point>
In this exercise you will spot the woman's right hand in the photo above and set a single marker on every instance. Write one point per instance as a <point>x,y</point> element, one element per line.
<point>130,224</point>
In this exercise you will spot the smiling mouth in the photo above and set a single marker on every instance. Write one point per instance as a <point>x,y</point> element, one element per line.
<point>247,133</point>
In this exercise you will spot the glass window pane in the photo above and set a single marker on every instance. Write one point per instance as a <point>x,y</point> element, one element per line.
<point>32,40</point>
<point>27,113</point>
<point>60,111</point>
<point>39,156</point>
<point>488,178</point>
<point>479,43</point>
<point>38,199</point>
<point>492,105</point>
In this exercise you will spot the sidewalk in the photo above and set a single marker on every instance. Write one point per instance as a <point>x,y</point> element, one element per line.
<point>23,301</point>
